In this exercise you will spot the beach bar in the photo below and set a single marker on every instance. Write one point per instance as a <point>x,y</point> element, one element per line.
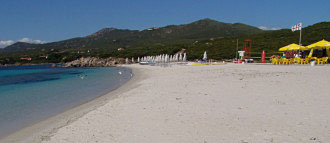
<point>317,53</point>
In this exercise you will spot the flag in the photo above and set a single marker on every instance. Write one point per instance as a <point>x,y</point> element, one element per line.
<point>296,27</point>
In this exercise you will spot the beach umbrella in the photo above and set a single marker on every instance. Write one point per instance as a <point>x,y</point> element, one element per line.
<point>138,59</point>
<point>292,47</point>
<point>205,56</point>
<point>166,58</point>
<point>283,49</point>
<point>126,61</point>
<point>180,57</point>
<point>319,45</point>
<point>184,57</point>
<point>303,48</point>
<point>273,56</point>
<point>133,60</point>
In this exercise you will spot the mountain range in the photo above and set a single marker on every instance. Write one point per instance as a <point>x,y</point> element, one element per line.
<point>112,38</point>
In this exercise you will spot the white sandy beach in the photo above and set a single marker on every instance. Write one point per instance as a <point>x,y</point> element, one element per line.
<point>230,103</point>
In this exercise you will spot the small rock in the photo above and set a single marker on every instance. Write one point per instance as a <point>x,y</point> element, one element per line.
<point>242,141</point>
<point>312,138</point>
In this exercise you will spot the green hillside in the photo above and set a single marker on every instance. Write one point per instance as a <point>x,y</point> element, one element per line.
<point>111,38</point>
<point>269,41</point>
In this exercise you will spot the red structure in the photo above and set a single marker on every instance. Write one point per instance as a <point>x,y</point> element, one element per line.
<point>247,49</point>
<point>263,56</point>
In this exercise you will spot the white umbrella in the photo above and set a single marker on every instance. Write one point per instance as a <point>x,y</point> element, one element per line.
<point>166,58</point>
<point>184,57</point>
<point>163,59</point>
<point>126,61</point>
<point>205,56</point>
<point>133,60</point>
<point>180,57</point>
<point>138,59</point>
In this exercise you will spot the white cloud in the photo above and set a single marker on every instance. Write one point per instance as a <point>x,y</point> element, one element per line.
<point>5,43</point>
<point>265,27</point>
<point>28,40</point>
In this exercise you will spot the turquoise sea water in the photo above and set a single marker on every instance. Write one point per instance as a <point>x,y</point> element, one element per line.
<point>29,94</point>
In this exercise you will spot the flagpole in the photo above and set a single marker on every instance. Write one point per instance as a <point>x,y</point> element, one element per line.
<point>300,34</point>
<point>236,49</point>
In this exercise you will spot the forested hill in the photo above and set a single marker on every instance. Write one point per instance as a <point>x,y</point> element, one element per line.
<point>112,38</point>
<point>270,41</point>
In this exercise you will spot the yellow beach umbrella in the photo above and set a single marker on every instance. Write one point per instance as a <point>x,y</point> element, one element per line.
<point>303,48</point>
<point>319,45</point>
<point>283,49</point>
<point>292,47</point>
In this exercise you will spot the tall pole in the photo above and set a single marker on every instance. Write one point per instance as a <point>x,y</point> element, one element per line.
<point>300,33</point>
<point>236,49</point>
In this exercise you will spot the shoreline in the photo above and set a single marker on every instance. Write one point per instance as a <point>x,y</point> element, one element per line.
<point>28,64</point>
<point>43,130</point>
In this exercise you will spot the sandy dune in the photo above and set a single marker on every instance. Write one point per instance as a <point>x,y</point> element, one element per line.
<point>211,104</point>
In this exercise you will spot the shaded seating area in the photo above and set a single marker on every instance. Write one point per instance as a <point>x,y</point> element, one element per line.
<point>318,52</point>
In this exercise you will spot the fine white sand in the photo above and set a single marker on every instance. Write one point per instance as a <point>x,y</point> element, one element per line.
<point>230,103</point>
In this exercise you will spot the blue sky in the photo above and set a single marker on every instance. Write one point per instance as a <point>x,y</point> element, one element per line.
<point>38,21</point>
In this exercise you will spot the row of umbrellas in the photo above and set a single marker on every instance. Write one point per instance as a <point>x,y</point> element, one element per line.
<point>323,44</point>
<point>164,58</point>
